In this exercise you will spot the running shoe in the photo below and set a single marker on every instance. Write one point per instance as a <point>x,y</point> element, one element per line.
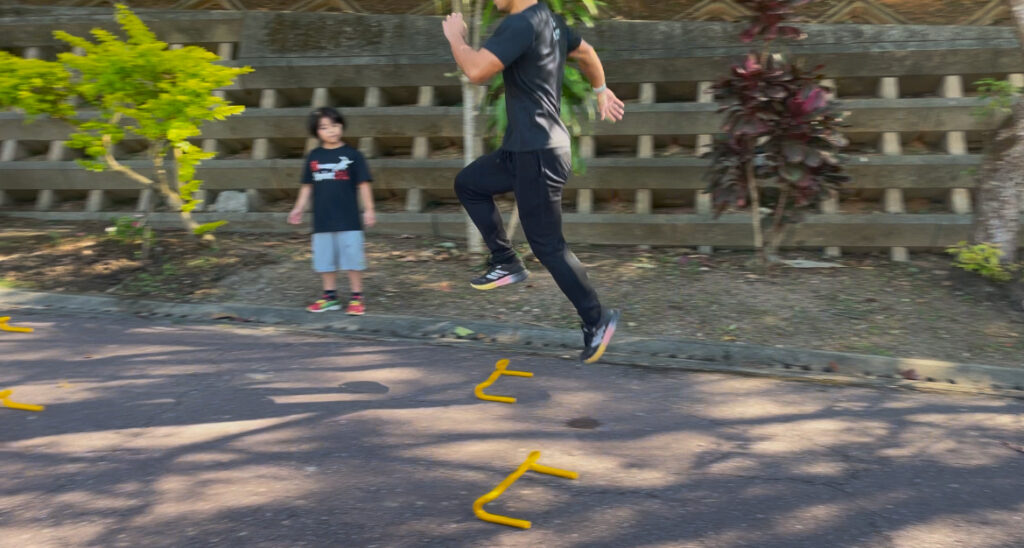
<point>324,304</point>
<point>596,338</point>
<point>355,308</point>
<point>501,274</point>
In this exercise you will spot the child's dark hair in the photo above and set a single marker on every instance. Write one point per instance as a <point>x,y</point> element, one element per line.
<point>324,112</point>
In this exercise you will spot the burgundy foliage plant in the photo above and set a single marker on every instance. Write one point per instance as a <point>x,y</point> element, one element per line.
<point>781,129</point>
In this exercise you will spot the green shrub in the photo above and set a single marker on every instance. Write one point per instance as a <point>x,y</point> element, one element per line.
<point>128,230</point>
<point>984,258</point>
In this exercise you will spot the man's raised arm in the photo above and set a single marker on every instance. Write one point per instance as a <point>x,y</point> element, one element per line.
<point>478,65</point>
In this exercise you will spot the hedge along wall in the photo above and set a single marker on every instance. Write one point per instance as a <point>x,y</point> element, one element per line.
<point>909,91</point>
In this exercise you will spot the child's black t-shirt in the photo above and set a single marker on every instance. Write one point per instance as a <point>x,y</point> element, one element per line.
<point>335,174</point>
<point>533,45</point>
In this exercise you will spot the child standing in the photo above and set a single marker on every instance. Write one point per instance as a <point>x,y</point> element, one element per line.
<point>337,178</point>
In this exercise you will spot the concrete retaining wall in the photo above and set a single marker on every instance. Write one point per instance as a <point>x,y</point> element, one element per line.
<point>908,91</point>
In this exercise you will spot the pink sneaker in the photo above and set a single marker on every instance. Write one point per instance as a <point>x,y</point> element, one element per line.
<point>355,308</point>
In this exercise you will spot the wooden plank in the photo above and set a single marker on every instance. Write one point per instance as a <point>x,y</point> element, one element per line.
<point>916,172</point>
<point>837,65</point>
<point>385,72</point>
<point>170,26</point>
<point>911,115</point>
<point>928,231</point>
<point>316,50</point>
<point>849,231</point>
<point>866,116</point>
<point>343,73</point>
<point>64,175</point>
<point>400,121</point>
<point>659,38</point>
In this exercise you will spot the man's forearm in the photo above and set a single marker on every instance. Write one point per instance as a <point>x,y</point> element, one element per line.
<point>464,57</point>
<point>592,69</point>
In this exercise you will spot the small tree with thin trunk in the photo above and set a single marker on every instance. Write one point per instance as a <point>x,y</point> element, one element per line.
<point>137,88</point>
<point>780,131</point>
<point>469,105</point>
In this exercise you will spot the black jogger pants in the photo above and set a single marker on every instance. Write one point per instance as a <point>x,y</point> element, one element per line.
<point>537,178</point>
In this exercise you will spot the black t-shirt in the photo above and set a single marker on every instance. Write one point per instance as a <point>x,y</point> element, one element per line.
<point>335,174</point>
<point>533,45</point>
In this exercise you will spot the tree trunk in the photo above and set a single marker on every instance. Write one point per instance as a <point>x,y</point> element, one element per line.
<point>163,184</point>
<point>755,213</point>
<point>775,241</point>
<point>1001,177</point>
<point>474,242</point>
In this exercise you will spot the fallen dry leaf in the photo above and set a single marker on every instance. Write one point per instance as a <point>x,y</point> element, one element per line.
<point>910,374</point>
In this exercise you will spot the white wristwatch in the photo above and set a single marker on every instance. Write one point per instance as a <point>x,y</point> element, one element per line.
<point>600,90</point>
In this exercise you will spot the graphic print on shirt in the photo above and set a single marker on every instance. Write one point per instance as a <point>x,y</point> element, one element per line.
<point>331,172</point>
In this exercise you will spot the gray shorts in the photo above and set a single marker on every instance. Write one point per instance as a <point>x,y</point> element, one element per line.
<point>338,251</point>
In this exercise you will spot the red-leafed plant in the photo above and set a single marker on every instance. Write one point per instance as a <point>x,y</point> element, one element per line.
<point>780,130</point>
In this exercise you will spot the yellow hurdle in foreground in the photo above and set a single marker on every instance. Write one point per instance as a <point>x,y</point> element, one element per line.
<point>6,402</point>
<point>499,370</point>
<point>529,464</point>
<point>5,327</point>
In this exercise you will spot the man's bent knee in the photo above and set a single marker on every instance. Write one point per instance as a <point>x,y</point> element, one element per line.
<point>463,185</point>
<point>551,253</point>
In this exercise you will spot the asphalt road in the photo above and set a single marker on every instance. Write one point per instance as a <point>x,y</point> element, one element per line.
<point>170,434</point>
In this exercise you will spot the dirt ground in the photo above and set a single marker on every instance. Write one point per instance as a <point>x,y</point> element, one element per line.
<point>871,306</point>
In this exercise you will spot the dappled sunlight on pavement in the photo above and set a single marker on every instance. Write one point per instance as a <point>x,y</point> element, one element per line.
<point>164,434</point>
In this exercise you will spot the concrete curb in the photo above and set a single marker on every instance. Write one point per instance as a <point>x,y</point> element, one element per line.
<point>737,358</point>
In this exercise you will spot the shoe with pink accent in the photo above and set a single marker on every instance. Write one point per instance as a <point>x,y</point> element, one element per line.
<point>596,338</point>
<point>500,275</point>
<point>355,308</point>
<point>324,304</point>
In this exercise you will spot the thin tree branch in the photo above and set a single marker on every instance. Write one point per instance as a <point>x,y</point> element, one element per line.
<point>108,156</point>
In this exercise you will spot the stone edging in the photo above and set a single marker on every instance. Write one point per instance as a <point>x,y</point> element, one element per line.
<point>737,358</point>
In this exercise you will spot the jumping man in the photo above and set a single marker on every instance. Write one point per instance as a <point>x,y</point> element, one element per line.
<point>530,48</point>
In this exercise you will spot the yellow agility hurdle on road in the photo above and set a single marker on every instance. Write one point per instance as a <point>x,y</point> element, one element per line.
<point>529,464</point>
<point>499,370</point>
<point>6,402</point>
<point>5,327</point>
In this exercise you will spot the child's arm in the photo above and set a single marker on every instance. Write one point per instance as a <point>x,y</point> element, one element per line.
<point>295,216</point>
<point>366,197</point>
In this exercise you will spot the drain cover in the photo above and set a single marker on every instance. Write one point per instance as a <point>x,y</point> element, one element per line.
<point>583,423</point>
